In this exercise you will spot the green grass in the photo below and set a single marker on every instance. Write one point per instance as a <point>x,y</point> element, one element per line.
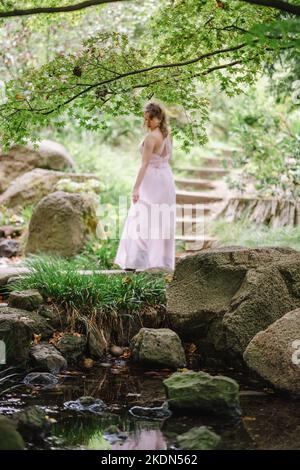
<point>247,234</point>
<point>97,254</point>
<point>91,298</point>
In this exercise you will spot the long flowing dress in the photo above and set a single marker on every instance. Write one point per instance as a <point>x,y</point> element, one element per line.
<point>148,236</point>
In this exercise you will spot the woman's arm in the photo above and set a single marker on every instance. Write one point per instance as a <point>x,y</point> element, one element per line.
<point>148,148</point>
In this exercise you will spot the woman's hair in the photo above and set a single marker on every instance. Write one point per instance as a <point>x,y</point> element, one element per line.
<point>156,110</point>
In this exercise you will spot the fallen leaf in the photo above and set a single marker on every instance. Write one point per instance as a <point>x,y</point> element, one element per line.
<point>36,338</point>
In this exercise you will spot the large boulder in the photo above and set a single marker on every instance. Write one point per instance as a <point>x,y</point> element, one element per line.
<point>160,347</point>
<point>61,224</point>
<point>21,159</point>
<point>275,353</point>
<point>29,188</point>
<point>221,298</point>
<point>201,391</point>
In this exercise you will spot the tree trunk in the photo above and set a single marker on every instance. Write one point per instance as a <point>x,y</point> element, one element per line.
<point>269,211</point>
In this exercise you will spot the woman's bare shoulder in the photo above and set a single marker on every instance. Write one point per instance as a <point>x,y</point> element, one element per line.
<point>149,140</point>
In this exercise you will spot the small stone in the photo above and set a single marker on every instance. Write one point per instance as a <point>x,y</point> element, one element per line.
<point>71,346</point>
<point>86,403</point>
<point>29,299</point>
<point>42,379</point>
<point>160,347</point>
<point>9,248</point>
<point>116,351</point>
<point>47,357</point>
<point>154,413</point>
<point>199,439</point>
<point>87,363</point>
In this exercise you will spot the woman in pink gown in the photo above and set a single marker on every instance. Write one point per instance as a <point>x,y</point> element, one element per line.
<point>148,236</point>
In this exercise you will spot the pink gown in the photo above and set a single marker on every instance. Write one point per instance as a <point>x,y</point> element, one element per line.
<point>148,236</point>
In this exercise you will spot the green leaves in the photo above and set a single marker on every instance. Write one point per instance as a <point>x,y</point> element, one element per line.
<point>184,44</point>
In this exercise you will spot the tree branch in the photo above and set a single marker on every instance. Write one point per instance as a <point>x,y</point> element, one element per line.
<point>148,69</point>
<point>278,4</point>
<point>62,9</point>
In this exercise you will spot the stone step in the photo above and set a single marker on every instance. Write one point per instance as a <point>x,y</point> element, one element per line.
<point>204,172</point>
<point>193,197</point>
<point>192,210</point>
<point>218,162</point>
<point>191,220</point>
<point>193,183</point>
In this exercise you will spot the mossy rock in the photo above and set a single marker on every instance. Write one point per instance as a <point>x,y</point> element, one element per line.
<point>201,391</point>
<point>200,438</point>
<point>10,438</point>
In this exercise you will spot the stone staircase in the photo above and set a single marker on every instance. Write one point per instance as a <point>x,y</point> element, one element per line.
<point>201,191</point>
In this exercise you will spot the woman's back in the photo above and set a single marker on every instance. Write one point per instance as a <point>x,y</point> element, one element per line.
<point>163,155</point>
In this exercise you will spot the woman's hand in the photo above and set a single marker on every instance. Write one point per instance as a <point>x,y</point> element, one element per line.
<point>135,195</point>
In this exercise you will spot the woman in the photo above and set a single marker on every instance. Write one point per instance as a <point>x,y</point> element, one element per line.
<point>148,237</point>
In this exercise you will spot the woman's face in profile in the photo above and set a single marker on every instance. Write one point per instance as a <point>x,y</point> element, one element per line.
<point>151,123</point>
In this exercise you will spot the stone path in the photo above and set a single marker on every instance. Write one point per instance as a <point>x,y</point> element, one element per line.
<point>205,187</point>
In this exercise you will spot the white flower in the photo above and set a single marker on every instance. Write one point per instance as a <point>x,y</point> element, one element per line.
<point>284,179</point>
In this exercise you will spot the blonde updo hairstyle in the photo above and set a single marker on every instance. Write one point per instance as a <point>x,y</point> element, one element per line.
<point>157,110</point>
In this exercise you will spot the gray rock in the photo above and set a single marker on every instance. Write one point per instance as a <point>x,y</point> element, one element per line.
<point>160,347</point>
<point>201,438</point>
<point>17,336</point>
<point>29,299</point>
<point>275,353</point>
<point>21,159</point>
<point>221,298</point>
<point>40,379</point>
<point>201,391</point>
<point>152,413</point>
<point>37,324</point>
<point>47,357</point>
<point>30,187</point>
<point>90,404</point>
<point>72,347</point>
<point>8,272</point>
<point>61,224</point>
<point>9,248</point>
